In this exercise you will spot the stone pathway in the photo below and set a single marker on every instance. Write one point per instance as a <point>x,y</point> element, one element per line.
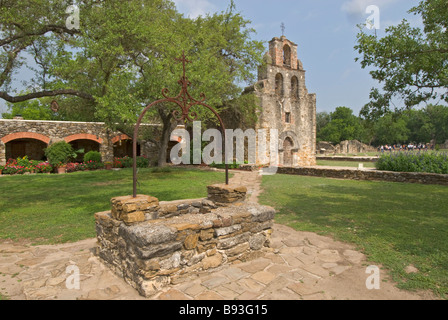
<point>299,265</point>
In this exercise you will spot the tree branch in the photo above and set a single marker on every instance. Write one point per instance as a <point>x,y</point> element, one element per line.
<point>41,94</point>
<point>44,30</point>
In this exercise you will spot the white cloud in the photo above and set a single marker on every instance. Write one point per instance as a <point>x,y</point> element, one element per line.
<point>195,8</point>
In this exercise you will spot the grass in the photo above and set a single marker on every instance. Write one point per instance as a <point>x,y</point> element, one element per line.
<point>48,209</point>
<point>394,224</point>
<point>353,164</point>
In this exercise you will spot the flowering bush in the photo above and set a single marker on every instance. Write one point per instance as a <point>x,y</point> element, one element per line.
<point>127,162</point>
<point>44,167</point>
<point>93,165</point>
<point>72,167</point>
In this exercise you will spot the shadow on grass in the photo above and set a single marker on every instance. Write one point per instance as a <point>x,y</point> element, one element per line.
<point>395,224</point>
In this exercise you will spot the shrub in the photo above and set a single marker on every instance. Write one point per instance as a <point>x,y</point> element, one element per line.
<point>92,156</point>
<point>414,162</point>
<point>142,162</point>
<point>125,162</point>
<point>59,153</point>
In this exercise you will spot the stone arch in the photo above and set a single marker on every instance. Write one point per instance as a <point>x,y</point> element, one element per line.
<point>122,145</point>
<point>288,148</point>
<point>295,87</point>
<point>85,141</point>
<point>83,136</point>
<point>287,55</point>
<point>22,144</point>
<point>279,90</point>
<point>120,138</point>
<point>25,135</point>
<point>289,134</point>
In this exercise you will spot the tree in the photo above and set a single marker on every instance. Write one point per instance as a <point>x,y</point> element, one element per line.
<point>122,57</point>
<point>411,63</point>
<point>391,129</point>
<point>343,125</point>
<point>322,119</point>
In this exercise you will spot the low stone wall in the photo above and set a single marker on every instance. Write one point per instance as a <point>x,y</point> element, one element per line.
<point>356,174</point>
<point>373,175</point>
<point>151,244</point>
<point>352,159</point>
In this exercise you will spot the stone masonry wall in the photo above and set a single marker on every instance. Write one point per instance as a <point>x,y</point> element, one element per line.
<point>151,244</point>
<point>369,175</point>
<point>53,131</point>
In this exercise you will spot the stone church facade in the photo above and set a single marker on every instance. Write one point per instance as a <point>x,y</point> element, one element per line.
<point>286,105</point>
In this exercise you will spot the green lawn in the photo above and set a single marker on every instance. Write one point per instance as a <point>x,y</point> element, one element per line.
<point>60,208</point>
<point>394,224</point>
<point>335,163</point>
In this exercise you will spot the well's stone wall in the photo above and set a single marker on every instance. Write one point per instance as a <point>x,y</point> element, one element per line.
<point>152,244</point>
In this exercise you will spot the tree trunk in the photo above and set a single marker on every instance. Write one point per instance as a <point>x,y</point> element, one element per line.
<point>168,127</point>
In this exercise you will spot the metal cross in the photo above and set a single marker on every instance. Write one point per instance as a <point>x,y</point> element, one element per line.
<point>283,28</point>
<point>184,61</point>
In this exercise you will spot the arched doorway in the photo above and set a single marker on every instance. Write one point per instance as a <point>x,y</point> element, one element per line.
<point>85,141</point>
<point>86,145</point>
<point>19,148</point>
<point>122,145</point>
<point>21,144</point>
<point>287,152</point>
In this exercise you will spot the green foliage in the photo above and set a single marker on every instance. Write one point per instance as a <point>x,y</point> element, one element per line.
<point>60,153</point>
<point>411,63</point>
<point>30,110</point>
<point>414,162</point>
<point>94,156</point>
<point>391,129</point>
<point>342,125</point>
<point>142,162</point>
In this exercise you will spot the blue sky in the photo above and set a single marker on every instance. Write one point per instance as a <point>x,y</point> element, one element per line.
<point>325,31</point>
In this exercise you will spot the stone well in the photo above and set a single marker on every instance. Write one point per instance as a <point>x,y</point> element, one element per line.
<point>152,244</point>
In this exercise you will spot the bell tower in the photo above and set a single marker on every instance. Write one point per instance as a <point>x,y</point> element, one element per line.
<point>286,104</point>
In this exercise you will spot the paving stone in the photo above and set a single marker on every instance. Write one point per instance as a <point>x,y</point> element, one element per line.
<point>329,255</point>
<point>263,277</point>
<point>248,295</point>
<point>173,294</point>
<point>354,257</point>
<point>255,265</point>
<point>250,285</point>
<point>195,289</point>
<point>278,283</point>
<point>234,273</point>
<point>279,269</point>
<point>215,281</point>
<point>209,295</point>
